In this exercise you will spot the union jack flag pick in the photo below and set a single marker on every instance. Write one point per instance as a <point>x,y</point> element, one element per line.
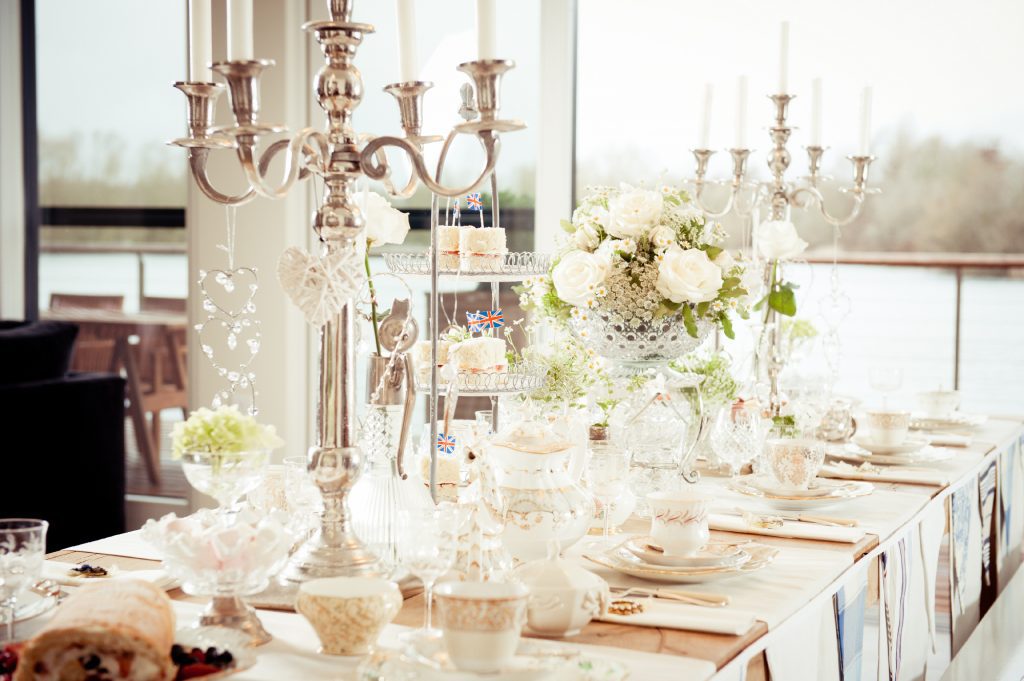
<point>492,319</point>
<point>445,443</point>
<point>473,320</point>
<point>473,202</point>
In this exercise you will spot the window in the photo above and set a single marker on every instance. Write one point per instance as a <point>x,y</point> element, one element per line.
<point>951,160</point>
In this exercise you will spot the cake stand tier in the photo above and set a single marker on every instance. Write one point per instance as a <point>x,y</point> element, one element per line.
<point>511,267</point>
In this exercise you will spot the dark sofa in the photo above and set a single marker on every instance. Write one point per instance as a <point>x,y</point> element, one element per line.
<point>61,436</point>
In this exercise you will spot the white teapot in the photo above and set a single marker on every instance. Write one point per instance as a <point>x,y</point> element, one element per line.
<point>564,597</point>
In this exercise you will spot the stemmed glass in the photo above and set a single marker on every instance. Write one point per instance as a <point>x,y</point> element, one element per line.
<point>226,477</point>
<point>426,548</point>
<point>885,379</point>
<point>607,477</point>
<point>22,549</point>
<point>737,436</point>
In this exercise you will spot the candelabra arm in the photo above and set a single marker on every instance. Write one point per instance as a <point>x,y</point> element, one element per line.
<point>375,170</point>
<point>698,200</point>
<point>314,158</point>
<point>197,157</point>
<point>293,161</point>
<point>806,195</point>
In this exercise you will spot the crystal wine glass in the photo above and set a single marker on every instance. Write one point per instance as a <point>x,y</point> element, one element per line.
<point>885,379</point>
<point>737,436</point>
<point>426,548</point>
<point>226,477</point>
<point>607,477</point>
<point>22,549</point>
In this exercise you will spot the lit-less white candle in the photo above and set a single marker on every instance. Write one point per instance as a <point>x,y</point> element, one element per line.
<point>407,40</point>
<point>816,112</point>
<point>865,122</point>
<point>240,29</point>
<point>486,29</point>
<point>705,121</point>
<point>741,112</point>
<point>783,57</point>
<point>200,40</point>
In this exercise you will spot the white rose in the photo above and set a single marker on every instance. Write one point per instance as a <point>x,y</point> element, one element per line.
<point>384,224</point>
<point>778,240</point>
<point>751,281</point>
<point>725,261</point>
<point>586,237</point>
<point>688,276</point>
<point>578,274</point>
<point>662,237</point>
<point>633,212</point>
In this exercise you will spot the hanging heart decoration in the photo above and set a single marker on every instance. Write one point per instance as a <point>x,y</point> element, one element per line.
<point>235,293</point>
<point>320,286</point>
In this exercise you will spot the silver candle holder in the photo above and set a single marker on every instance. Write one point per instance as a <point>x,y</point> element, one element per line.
<point>335,156</point>
<point>778,196</point>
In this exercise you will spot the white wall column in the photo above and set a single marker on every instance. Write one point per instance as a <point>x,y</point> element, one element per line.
<point>12,186</point>
<point>264,229</point>
<point>556,130</point>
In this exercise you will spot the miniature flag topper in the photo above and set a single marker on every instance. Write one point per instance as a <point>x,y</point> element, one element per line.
<point>445,443</point>
<point>473,202</point>
<point>485,319</point>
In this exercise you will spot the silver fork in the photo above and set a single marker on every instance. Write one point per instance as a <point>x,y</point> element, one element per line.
<point>704,600</point>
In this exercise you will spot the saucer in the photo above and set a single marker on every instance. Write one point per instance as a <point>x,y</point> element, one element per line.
<point>623,561</point>
<point>855,454</point>
<point>712,555</point>
<point>32,604</point>
<point>824,492</point>
<point>955,421</point>
<point>911,444</point>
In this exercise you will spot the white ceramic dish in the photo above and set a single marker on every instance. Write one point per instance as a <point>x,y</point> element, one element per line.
<point>911,444</point>
<point>533,662</point>
<point>712,555</point>
<point>824,492</point>
<point>855,454</point>
<point>623,561</point>
<point>32,604</point>
<point>955,421</point>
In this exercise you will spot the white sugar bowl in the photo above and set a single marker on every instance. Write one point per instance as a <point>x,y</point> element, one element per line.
<point>564,597</point>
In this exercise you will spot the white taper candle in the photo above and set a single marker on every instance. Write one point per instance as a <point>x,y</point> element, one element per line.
<point>816,112</point>
<point>741,112</point>
<point>240,29</point>
<point>865,122</point>
<point>407,40</point>
<point>783,57</point>
<point>200,40</point>
<point>705,121</point>
<point>486,29</point>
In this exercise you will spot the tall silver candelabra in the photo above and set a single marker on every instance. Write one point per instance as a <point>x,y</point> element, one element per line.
<point>778,196</point>
<point>334,156</point>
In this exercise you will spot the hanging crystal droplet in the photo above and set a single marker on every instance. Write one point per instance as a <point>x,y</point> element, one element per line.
<point>254,345</point>
<point>208,351</point>
<point>209,306</point>
<point>232,341</point>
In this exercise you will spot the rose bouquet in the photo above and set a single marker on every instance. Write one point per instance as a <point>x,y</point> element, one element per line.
<point>635,256</point>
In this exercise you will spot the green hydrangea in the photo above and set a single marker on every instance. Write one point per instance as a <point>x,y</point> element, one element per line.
<point>225,430</point>
<point>719,387</point>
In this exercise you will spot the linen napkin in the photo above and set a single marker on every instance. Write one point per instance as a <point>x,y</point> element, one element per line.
<point>667,614</point>
<point>790,528</point>
<point>61,573</point>
<point>917,474</point>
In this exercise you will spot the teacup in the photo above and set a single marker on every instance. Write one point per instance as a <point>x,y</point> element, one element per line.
<point>679,520</point>
<point>939,403</point>
<point>888,427</point>
<point>481,622</point>
<point>794,463</point>
<point>348,613</point>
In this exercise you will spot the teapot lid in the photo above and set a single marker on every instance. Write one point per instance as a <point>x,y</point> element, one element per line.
<point>532,438</point>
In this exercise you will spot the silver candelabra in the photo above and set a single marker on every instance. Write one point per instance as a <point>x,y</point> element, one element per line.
<point>778,196</point>
<point>337,159</point>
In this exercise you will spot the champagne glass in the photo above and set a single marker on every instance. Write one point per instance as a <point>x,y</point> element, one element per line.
<point>885,379</point>
<point>607,477</point>
<point>22,549</point>
<point>426,548</point>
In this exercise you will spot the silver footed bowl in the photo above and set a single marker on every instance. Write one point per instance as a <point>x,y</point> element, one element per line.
<point>660,340</point>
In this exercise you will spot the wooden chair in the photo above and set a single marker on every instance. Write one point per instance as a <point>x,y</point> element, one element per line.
<point>74,301</point>
<point>157,304</point>
<point>95,355</point>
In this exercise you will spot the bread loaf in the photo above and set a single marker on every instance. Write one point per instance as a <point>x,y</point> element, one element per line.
<point>111,631</point>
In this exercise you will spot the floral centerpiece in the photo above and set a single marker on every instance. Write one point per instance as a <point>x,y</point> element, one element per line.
<point>778,241</point>
<point>384,225</point>
<point>639,264</point>
<point>718,387</point>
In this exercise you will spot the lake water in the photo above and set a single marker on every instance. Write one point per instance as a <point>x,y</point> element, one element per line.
<point>899,316</point>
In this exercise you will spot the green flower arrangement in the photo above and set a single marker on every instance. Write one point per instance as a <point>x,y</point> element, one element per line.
<point>569,369</point>
<point>225,430</point>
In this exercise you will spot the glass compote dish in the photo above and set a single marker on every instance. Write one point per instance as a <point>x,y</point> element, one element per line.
<point>225,558</point>
<point>22,550</point>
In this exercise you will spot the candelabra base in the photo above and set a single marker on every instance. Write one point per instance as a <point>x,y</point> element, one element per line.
<point>345,558</point>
